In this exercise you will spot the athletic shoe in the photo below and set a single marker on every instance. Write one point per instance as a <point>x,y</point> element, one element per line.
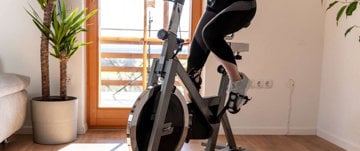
<point>237,95</point>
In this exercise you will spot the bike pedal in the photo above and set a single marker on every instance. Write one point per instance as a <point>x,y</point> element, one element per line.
<point>232,102</point>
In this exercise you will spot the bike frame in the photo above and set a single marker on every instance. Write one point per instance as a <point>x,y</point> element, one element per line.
<point>164,70</point>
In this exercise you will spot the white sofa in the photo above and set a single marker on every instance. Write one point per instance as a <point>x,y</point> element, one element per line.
<point>13,103</point>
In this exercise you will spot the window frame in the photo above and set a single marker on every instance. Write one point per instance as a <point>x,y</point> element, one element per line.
<point>109,117</point>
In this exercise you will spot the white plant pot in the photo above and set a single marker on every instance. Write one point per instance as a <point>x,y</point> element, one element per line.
<point>54,121</point>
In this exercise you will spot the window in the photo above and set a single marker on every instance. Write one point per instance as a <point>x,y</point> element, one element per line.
<point>125,32</point>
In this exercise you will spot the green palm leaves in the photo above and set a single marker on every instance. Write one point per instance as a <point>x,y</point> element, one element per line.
<point>61,29</point>
<point>65,27</point>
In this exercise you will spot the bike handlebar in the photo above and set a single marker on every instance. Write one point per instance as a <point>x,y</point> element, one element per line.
<point>177,1</point>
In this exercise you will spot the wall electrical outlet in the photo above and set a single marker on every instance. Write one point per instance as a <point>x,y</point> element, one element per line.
<point>262,84</point>
<point>268,84</point>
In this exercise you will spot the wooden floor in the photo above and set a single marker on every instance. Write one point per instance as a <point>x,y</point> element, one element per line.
<point>115,140</point>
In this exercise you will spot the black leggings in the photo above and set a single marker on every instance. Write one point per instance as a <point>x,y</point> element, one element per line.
<point>213,27</point>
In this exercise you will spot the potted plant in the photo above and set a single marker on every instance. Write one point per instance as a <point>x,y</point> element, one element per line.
<point>55,117</point>
<point>347,8</point>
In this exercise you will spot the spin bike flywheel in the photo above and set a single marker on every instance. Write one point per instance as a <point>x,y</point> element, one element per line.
<point>142,116</point>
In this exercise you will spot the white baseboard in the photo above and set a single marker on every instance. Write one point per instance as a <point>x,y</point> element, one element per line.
<point>82,128</point>
<point>270,131</point>
<point>341,142</point>
<point>302,131</point>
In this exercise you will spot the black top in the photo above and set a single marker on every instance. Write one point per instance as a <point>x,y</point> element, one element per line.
<point>219,5</point>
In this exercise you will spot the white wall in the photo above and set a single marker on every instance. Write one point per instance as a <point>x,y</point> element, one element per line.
<point>20,53</point>
<point>286,42</point>
<point>339,114</point>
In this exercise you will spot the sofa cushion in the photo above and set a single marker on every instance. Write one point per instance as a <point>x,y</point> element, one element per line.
<point>11,83</point>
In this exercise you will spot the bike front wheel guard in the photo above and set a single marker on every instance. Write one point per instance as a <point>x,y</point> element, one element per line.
<point>141,120</point>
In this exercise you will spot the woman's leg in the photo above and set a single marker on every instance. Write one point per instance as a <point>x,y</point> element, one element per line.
<point>198,50</point>
<point>214,32</point>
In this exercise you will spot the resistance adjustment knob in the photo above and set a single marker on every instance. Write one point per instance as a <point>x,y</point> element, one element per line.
<point>162,34</point>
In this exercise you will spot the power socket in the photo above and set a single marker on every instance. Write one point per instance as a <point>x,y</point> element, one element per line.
<point>262,84</point>
<point>269,84</point>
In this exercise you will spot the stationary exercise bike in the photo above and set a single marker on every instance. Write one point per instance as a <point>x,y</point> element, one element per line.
<point>161,119</point>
